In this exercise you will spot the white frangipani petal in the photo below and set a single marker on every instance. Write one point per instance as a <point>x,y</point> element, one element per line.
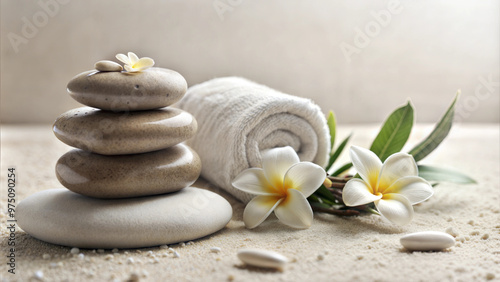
<point>295,211</point>
<point>144,63</point>
<point>396,208</point>
<point>258,209</point>
<point>305,177</point>
<point>129,68</point>
<point>253,181</point>
<point>276,163</point>
<point>356,192</point>
<point>396,166</point>
<point>133,57</point>
<point>367,164</point>
<point>123,58</point>
<point>414,188</point>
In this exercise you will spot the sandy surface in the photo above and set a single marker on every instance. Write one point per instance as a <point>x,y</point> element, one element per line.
<point>362,248</point>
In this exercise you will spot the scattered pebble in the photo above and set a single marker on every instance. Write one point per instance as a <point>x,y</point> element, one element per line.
<point>230,278</point>
<point>101,251</point>
<point>81,256</point>
<point>74,251</point>
<point>106,65</point>
<point>451,231</point>
<point>475,232</point>
<point>190,243</point>
<point>176,254</point>
<point>485,236</point>
<point>115,250</point>
<point>471,222</point>
<point>321,257</point>
<point>215,250</point>
<point>109,257</point>
<point>171,250</point>
<point>55,265</point>
<point>427,241</point>
<point>38,275</point>
<point>182,244</point>
<point>149,253</point>
<point>460,239</point>
<point>359,257</point>
<point>164,247</point>
<point>130,261</point>
<point>449,219</point>
<point>46,256</point>
<point>490,276</point>
<point>262,258</point>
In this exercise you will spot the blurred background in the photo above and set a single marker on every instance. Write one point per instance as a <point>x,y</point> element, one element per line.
<point>361,59</point>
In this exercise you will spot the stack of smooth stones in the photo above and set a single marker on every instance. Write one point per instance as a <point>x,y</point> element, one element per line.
<point>129,177</point>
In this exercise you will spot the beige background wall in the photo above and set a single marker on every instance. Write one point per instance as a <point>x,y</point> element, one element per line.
<point>425,50</point>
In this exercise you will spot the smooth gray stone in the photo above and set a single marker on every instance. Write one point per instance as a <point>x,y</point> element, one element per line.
<point>110,133</point>
<point>126,176</point>
<point>427,241</point>
<point>66,218</point>
<point>106,65</point>
<point>152,88</point>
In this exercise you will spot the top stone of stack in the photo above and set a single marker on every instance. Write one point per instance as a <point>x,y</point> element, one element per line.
<point>110,89</point>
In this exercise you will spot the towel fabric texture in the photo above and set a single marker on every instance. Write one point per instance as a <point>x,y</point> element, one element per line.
<point>238,119</point>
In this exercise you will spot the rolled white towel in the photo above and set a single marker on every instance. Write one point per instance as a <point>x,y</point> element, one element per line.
<point>237,119</point>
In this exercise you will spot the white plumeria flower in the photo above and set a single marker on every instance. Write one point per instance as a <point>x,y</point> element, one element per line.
<point>393,186</point>
<point>282,185</point>
<point>132,63</point>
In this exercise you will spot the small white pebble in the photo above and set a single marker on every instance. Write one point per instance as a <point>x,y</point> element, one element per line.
<point>215,250</point>
<point>115,250</point>
<point>460,239</point>
<point>427,241</point>
<point>321,257</point>
<point>145,273</point>
<point>109,257</point>
<point>190,243</point>
<point>149,253</point>
<point>176,255</point>
<point>106,65</point>
<point>164,247</point>
<point>130,261</point>
<point>164,255</point>
<point>171,250</point>
<point>54,265</point>
<point>38,275</point>
<point>46,256</point>
<point>74,251</point>
<point>262,258</point>
<point>81,256</point>
<point>451,231</point>
<point>182,244</point>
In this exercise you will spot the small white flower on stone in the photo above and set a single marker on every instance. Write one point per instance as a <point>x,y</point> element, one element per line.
<point>132,63</point>
<point>393,186</point>
<point>281,185</point>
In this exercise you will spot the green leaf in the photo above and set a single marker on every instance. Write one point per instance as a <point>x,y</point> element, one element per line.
<point>437,135</point>
<point>323,193</point>
<point>332,125</point>
<point>336,154</point>
<point>431,173</point>
<point>394,133</point>
<point>342,169</point>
